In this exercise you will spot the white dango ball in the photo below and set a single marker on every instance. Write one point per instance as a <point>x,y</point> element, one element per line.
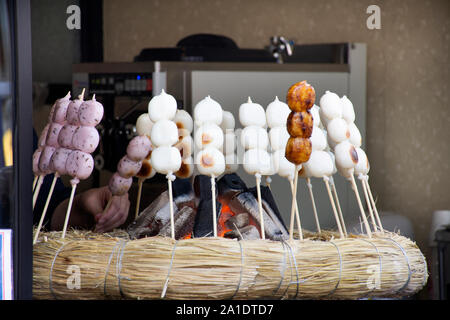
<point>346,155</point>
<point>273,166</point>
<point>348,112</point>
<point>363,166</point>
<point>279,137</point>
<point>166,159</point>
<point>338,130</point>
<point>252,114</point>
<point>210,161</point>
<point>208,135</point>
<point>318,139</point>
<point>331,144</point>
<point>228,121</point>
<point>231,164</point>
<point>319,164</point>
<point>355,136</point>
<point>257,161</point>
<point>330,106</point>
<point>162,107</point>
<point>286,169</point>
<point>345,172</point>
<point>333,160</point>
<point>316,115</point>
<point>144,125</point>
<point>184,122</point>
<point>164,133</point>
<point>186,146</point>
<point>186,169</point>
<point>277,113</point>
<point>253,137</point>
<point>208,110</point>
<point>229,145</point>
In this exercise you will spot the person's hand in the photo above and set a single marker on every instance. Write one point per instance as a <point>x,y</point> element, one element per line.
<point>94,201</point>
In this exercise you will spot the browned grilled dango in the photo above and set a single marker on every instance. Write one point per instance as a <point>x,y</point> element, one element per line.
<point>298,150</point>
<point>301,96</point>
<point>300,124</point>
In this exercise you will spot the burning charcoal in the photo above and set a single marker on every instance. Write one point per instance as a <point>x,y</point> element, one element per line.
<point>238,221</point>
<point>246,202</point>
<point>143,226</point>
<point>203,226</point>
<point>183,194</point>
<point>274,213</point>
<point>230,185</point>
<point>184,224</point>
<point>246,233</point>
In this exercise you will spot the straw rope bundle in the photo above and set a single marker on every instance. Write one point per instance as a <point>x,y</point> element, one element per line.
<point>111,266</point>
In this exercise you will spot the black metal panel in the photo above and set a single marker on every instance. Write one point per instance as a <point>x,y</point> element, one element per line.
<point>91,30</point>
<point>23,148</point>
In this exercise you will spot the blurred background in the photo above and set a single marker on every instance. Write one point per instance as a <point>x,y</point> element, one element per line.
<point>405,108</point>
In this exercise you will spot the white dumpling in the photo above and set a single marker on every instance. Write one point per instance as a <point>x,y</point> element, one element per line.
<point>228,122</point>
<point>316,115</point>
<point>208,110</point>
<point>162,107</point>
<point>208,135</point>
<point>184,122</point>
<point>252,114</point>
<point>164,133</point>
<point>277,113</point>
<point>229,145</point>
<point>348,112</point>
<point>345,172</point>
<point>338,130</point>
<point>285,168</point>
<point>330,106</point>
<point>355,136</point>
<point>186,146</point>
<point>278,137</point>
<point>333,160</point>
<point>363,166</point>
<point>166,159</point>
<point>253,137</point>
<point>319,164</point>
<point>210,161</point>
<point>231,164</point>
<point>346,155</point>
<point>257,161</point>
<point>318,139</point>
<point>144,125</point>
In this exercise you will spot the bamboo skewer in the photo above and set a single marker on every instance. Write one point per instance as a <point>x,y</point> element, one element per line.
<point>333,206</point>
<point>338,205</point>
<point>213,197</point>
<point>313,202</point>
<point>38,188</point>
<point>377,216</point>
<point>261,216</point>
<point>369,205</point>
<point>297,214</point>
<point>170,176</point>
<point>69,208</point>
<point>138,200</point>
<point>363,215</point>
<point>35,181</point>
<point>294,203</point>
<point>41,221</point>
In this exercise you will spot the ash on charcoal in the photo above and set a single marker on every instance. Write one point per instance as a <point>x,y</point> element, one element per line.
<point>239,220</point>
<point>246,233</point>
<point>266,196</point>
<point>230,185</point>
<point>183,193</point>
<point>183,223</point>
